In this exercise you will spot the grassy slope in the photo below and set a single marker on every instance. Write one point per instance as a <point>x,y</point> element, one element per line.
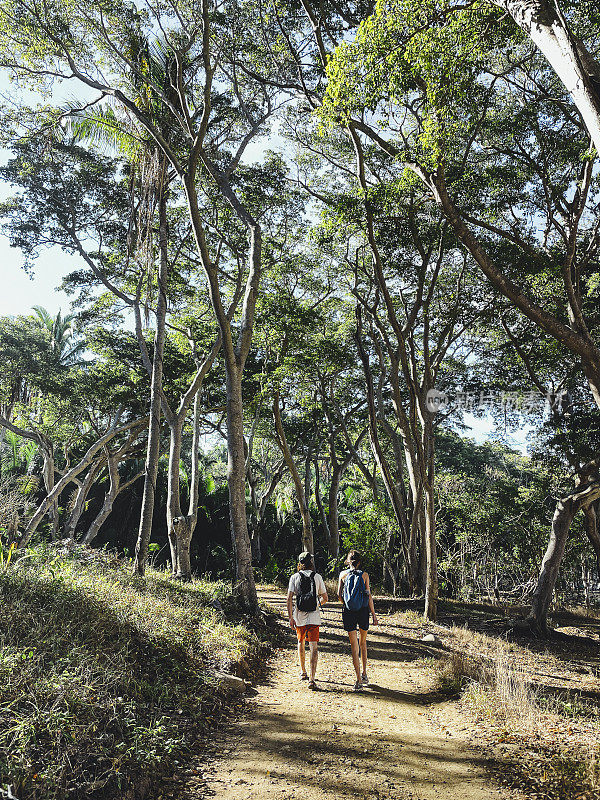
<point>105,679</point>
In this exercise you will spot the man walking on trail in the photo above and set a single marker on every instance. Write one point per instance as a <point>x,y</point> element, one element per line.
<point>307,588</point>
<point>355,593</point>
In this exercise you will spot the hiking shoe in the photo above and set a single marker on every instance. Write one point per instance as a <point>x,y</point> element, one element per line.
<point>313,685</point>
<point>358,686</point>
<point>364,679</point>
<point>303,676</point>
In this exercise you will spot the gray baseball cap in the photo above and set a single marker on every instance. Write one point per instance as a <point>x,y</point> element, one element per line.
<point>305,557</point>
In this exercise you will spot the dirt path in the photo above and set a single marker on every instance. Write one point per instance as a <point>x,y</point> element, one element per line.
<point>388,742</point>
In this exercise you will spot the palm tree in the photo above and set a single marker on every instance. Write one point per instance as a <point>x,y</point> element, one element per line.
<point>62,334</point>
<point>17,454</point>
<point>150,177</point>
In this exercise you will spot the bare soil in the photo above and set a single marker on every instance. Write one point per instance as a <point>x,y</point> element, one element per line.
<point>400,739</point>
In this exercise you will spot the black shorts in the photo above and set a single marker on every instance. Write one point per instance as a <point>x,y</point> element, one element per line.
<point>350,619</point>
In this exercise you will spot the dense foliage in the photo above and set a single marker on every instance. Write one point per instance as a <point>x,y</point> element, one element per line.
<point>257,337</point>
<point>334,272</point>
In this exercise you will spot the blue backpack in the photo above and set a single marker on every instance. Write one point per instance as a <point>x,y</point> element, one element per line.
<point>355,593</point>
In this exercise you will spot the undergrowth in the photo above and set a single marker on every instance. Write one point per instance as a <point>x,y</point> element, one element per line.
<point>106,680</point>
<point>550,742</point>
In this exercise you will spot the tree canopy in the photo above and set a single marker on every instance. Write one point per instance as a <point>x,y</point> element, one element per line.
<point>311,243</point>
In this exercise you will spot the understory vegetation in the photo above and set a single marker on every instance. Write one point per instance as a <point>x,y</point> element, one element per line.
<point>107,681</point>
<point>532,711</point>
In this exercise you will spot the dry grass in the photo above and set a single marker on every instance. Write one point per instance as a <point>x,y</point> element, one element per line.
<point>587,612</point>
<point>502,694</point>
<point>412,618</point>
<point>452,673</point>
<point>551,744</point>
<point>534,711</point>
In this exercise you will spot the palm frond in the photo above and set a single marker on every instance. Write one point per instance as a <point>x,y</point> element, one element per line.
<point>102,126</point>
<point>17,453</point>
<point>44,317</point>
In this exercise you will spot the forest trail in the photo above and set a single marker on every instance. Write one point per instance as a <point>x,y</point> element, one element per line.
<point>388,742</point>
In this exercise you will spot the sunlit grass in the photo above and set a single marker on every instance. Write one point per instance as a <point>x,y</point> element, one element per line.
<point>105,678</point>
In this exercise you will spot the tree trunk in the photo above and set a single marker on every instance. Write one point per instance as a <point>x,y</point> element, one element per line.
<point>153,449</point>
<point>393,573</point>
<point>48,475</point>
<point>414,512</point>
<point>76,470</point>
<point>542,596</point>
<point>182,531</point>
<point>337,472</point>
<point>100,518</point>
<point>236,481</point>
<point>82,493</point>
<point>428,483</point>
<point>591,529</point>
<point>566,509</point>
<point>254,529</point>
<point>431,584</point>
<point>260,508</point>
<point>575,68</point>
<point>181,528</point>
<point>308,476</point>
<point>390,484</point>
<point>176,527</point>
<point>255,545</point>
<point>307,534</point>
<point>404,454</point>
<point>422,534</point>
<point>107,505</point>
<point>355,456</point>
<point>319,502</point>
<point>235,356</point>
<point>115,488</point>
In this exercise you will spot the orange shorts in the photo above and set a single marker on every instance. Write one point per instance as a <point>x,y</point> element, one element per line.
<point>310,633</point>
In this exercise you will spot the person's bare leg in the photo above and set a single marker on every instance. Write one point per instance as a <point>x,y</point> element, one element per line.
<point>314,655</point>
<point>301,657</point>
<point>363,649</point>
<point>355,653</point>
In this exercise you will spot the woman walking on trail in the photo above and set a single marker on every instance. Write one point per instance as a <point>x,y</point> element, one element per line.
<point>354,592</point>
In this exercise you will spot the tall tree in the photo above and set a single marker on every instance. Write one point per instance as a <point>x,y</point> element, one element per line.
<point>488,161</point>
<point>211,131</point>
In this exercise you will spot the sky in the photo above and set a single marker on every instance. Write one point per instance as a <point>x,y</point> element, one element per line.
<point>20,292</point>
